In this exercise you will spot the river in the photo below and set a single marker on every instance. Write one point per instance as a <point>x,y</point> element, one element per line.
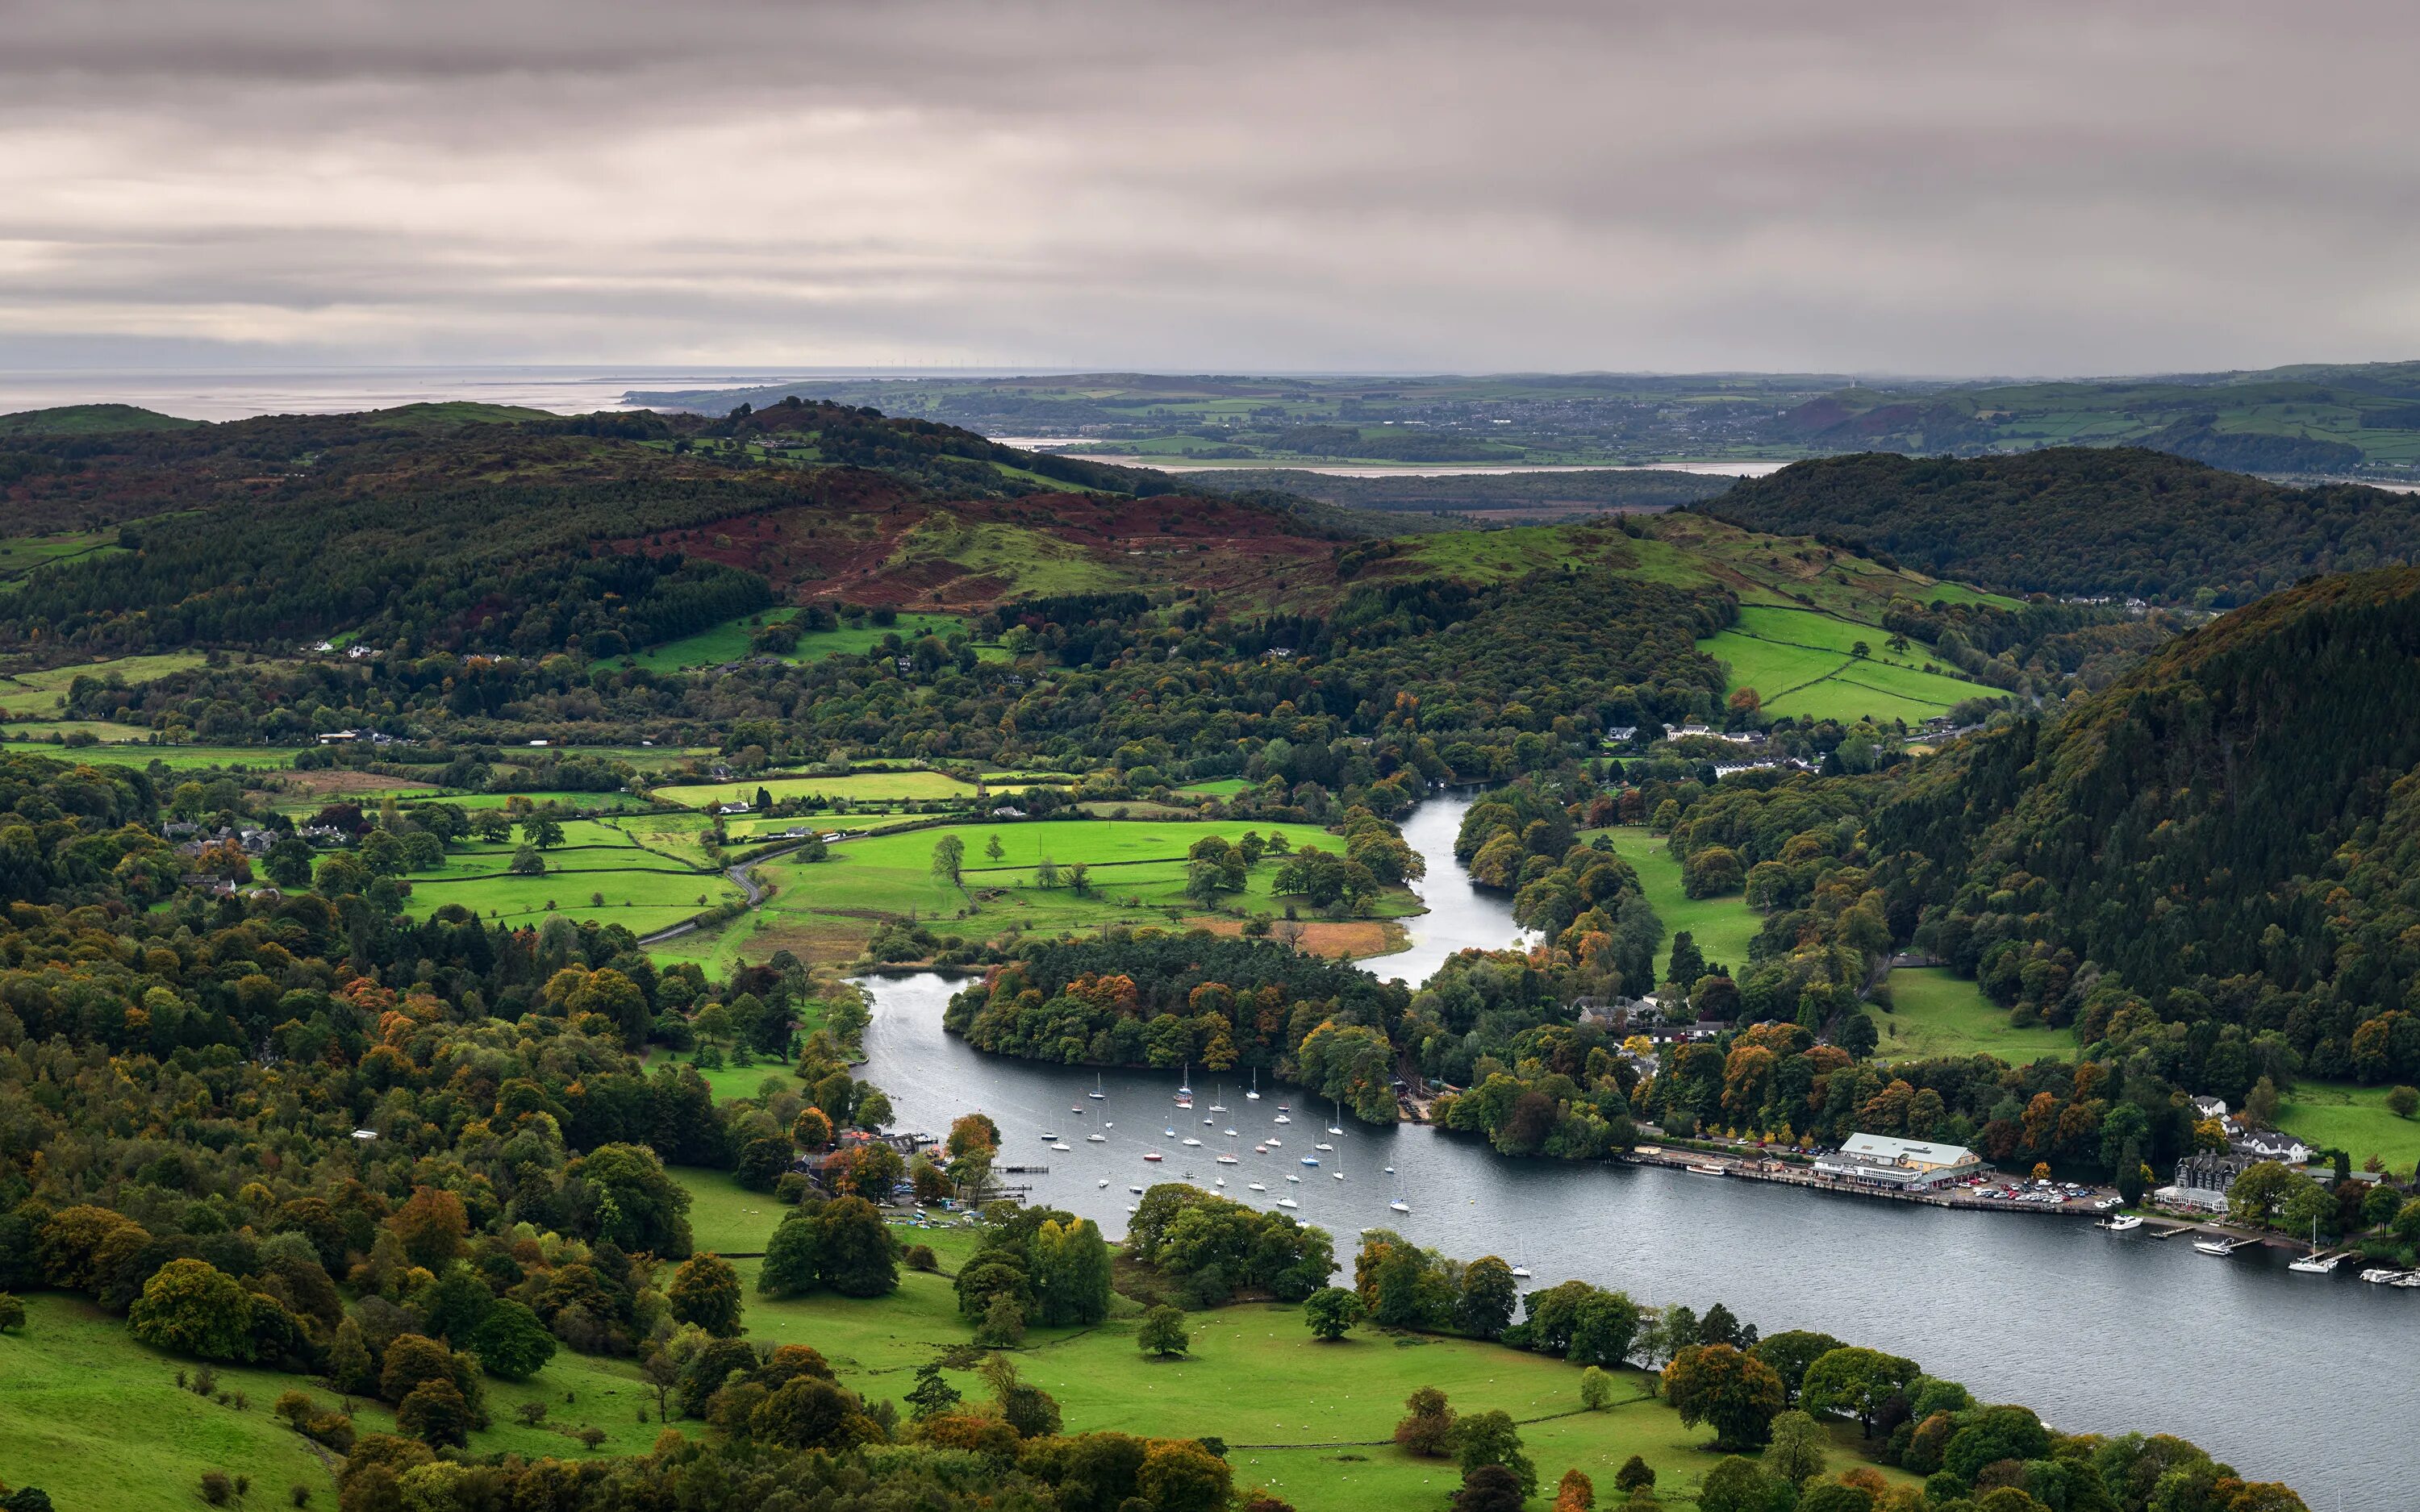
<point>2308,1380</point>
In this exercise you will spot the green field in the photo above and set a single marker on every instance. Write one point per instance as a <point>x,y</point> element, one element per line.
<point>857,787</point>
<point>826,910</point>
<point>95,1417</point>
<point>728,641</point>
<point>643,890</point>
<point>1803,665</point>
<point>25,553</point>
<point>1722,926</point>
<point>1311,1421</point>
<point>1220,787</point>
<point>2341,1116</point>
<point>1935,1012</point>
<point>32,695</point>
<point>175,758</point>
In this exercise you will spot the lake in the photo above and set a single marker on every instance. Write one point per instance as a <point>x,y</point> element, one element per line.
<point>2303,1378</point>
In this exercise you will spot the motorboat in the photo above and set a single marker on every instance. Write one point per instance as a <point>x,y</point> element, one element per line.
<point>2408,1279</point>
<point>1136,1190</point>
<point>1292,1177</point>
<point>2217,1246</point>
<point>1104,1181</point>
<point>1192,1143</point>
<point>1708,1170</point>
<point>1339,1175</point>
<point>1310,1160</point>
<point>1520,1272</point>
<point>1096,1139</point>
<point>1060,1145</point>
<point>2122,1223</point>
<point>1398,1204</point>
<point>1230,1133</point>
<point>1255,1186</point>
<point>1169,1130</point>
<point>1273,1141</point>
<point>1153,1156</point>
<point>1322,1145</point>
<point>2382,1277</point>
<point>1048,1138</point>
<point>1218,1180</point>
<point>1260,1149</point>
<point>1288,1202</point>
<point>1281,1119</point>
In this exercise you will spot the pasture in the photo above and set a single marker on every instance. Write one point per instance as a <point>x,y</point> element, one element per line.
<point>1722,926</point>
<point>1805,665</point>
<point>857,787</point>
<point>174,758</point>
<point>599,872</point>
<point>1935,1012</point>
<point>35,694</point>
<point>2355,1119</point>
<point>728,641</point>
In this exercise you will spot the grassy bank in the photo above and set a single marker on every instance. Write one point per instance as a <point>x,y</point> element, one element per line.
<point>1935,1012</point>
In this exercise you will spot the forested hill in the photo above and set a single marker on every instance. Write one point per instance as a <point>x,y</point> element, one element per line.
<point>2086,522</point>
<point>2233,830</point>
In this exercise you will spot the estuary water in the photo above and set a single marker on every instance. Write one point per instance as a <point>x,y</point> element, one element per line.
<point>2308,1380</point>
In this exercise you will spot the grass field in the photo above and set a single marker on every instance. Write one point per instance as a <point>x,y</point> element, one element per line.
<point>1220,787</point>
<point>857,787</point>
<point>1722,926</point>
<point>643,890</point>
<point>1934,1011</point>
<point>2341,1116</point>
<point>728,641</point>
<point>95,1417</point>
<point>25,553</point>
<point>175,758</point>
<point>1803,664</point>
<point>827,910</point>
<point>1311,1421</point>
<point>32,695</point>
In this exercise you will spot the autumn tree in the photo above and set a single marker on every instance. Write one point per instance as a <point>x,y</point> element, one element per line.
<point>1736,1393</point>
<point>1428,1423</point>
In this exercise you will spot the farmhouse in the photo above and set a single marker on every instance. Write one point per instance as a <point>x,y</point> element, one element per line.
<point>1885,1160</point>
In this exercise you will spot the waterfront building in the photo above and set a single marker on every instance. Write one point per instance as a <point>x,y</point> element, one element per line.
<point>1885,1160</point>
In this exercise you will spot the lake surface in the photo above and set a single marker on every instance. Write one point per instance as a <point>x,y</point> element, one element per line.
<point>2309,1380</point>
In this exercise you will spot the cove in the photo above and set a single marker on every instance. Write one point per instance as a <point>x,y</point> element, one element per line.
<point>2303,1378</point>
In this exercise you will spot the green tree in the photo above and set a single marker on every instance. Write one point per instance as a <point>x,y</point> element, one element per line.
<point>1791,1351</point>
<point>1736,1393</point>
<point>2403,1101</point>
<point>1634,1474</point>
<point>1854,1383</point>
<point>1596,1388</point>
<point>1163,1333</point>
<point>511,1343</point>
<point>793,1257</point>
<point>1070,1268</point>
<point>348,1359</point>
<point>1489,1294</point>
<point>1736,1485</point>
<point>12,1314</point>
<point>1331,1312</point>
<point>1797,1451</point>
<point>949,859</point>
<point>932,1395</point>
<point>2261,1190</point>
<point>193,1307</point>
<point>992,849</point>
<point>858,1256</point>
<point>1490,1489</point>
<point>810,1412</point>
<point>542,830</point>
<point>1491,1438</point>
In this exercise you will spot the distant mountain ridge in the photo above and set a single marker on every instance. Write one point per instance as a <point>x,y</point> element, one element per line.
<point>2085,521</point>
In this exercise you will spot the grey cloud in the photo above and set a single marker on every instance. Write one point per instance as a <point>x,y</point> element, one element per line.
<point>1890,186</point>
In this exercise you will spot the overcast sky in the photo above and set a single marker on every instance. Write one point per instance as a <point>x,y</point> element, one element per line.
<point>1686,185</point>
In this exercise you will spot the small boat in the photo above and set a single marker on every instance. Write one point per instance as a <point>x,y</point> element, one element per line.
<point>1708,1170</point>
<point>2382,1277</point>
<point>1282,1118</point>
<point>1339,1175</point>
<point>1209,1123</point>
<point>1153,1156</point>
<point>1227,1160</point>
<point>2314,1264</point>
<point>2122,1223</point>
<point>1075,1109</point>
<point>1048,1137</point>
<point>1060,1145</point>
<point>1192,1142</point>
<point>1104,1181</point>
<point>1185,1102</point>
<point>1310,1160</point>
<point>1185,1081</point>
<point>1096,1139</point>
<point>1273,1141</point>
<point>1096,1094</point>
<point>1255,1186</point>
<point>1136,1190</point>
<point>1335,1120</point>
<point>1398,1204</point>
<point>2215,1246</point>
<point>1291,1177</point>
<point>1322,1145</point>
<point>1260,1149</point>
<point>1520,1272</point>
<point>1255,1095</point>
<point>2408,1279</point>
<point>1391,1170</point>
<point>1220,1181</point>
<point>1218,1102</point>
<point>1230,1133</point>
<point>1169,1130</point>
<point>1133,1207</point>
<point>1288,1202</point>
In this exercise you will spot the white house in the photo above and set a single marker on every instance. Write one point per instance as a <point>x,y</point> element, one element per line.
<point>2268,1144</point>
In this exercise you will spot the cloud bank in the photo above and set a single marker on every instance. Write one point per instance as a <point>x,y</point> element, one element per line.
<point>1900,188</point>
